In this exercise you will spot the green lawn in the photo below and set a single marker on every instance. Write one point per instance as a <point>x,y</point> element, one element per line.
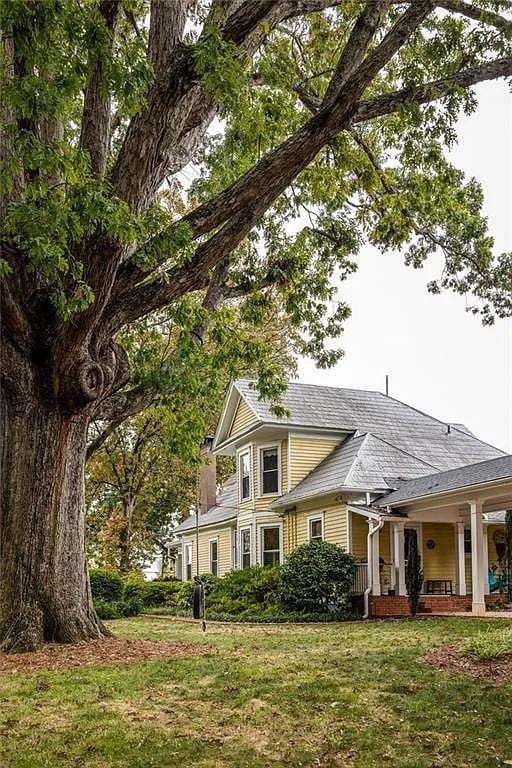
<point>335,695</point>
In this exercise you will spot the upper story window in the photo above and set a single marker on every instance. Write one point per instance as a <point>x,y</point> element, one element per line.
<point>316,528</point>
<point>244,469</point>
<point>269,463</point>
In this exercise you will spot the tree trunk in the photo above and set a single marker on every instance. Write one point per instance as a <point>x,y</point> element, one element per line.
<point>45,594</point>
<point>125,536</point>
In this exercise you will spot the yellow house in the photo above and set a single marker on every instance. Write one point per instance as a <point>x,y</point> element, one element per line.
<point>364,471</point>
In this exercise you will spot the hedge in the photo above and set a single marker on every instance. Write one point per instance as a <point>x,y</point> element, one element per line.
<point>106,586</point>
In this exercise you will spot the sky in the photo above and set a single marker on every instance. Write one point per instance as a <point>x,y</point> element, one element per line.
<point>439,358</point>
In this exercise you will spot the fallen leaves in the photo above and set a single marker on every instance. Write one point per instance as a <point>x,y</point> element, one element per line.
<point>111,650</point>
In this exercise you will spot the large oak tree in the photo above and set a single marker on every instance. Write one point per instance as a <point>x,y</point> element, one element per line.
<point>333,114</point>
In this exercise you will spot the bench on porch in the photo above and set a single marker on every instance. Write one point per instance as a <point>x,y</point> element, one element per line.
<point>438,587</point>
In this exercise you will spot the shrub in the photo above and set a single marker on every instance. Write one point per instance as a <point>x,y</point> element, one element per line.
<point>153,592</point>
<point>118,609</point>
<point>317,578</point>
<point>490,644</point>
<point>105,585</point>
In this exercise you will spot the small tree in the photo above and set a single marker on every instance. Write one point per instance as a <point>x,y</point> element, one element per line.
<point>317,578</point>
<point>414,574</point>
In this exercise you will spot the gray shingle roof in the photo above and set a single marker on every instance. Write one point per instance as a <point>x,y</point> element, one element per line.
<point>361,461</point>
<point>463,477</point>
<point>225,509</point>
<point>355,410</point>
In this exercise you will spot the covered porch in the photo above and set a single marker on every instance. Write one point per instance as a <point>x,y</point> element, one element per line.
<point>460,539</point>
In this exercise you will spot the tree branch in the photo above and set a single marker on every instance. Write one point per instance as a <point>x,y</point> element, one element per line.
<point>166,27</point>
<point>357,45</point>
<point>392,102</point>
<point>116,409</point>
<point>96,115</point>
<point>477,14</point>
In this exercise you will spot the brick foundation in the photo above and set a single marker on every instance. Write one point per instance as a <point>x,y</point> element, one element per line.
<point>394,605</point>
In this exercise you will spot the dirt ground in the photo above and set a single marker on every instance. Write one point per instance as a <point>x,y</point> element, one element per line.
<point>111,650</point>
<point>449,659</point>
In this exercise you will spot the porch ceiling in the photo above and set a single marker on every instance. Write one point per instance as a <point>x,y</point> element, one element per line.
<point>455,505</point>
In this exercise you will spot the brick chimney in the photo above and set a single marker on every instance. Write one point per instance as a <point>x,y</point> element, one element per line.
<point>207,477</point>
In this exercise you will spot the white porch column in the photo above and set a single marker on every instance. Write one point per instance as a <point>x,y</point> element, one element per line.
<point>399,557</point>
<point>375,565</point>
<point>461,559</point>
<point>477,558</point>
<point>485,566</point>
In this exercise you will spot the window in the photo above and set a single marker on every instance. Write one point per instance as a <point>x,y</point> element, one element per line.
<point>316,528</point>
<point>245,547</point>
<point>244,469</point>
<point>188,561</point>
<point>467,541</point>
<point>269,462</point>
<point>214,557</point>
<point>271,546</point>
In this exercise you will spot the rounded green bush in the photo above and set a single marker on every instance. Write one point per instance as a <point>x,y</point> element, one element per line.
<point>317,578</point>
<point>106,585</point>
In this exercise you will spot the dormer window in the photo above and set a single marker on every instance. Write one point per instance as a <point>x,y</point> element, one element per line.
<point>244,468</point>
<point>269,465</point>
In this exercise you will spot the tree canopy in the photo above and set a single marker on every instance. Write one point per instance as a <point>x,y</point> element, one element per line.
<point>333,120</point>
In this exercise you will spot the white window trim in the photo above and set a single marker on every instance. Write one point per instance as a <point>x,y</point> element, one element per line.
<point>188,547</point>
<point>246,450</point>
<point>240,549</point>
<point>260,470</point>
<point>210,542</point>
<point>418,527</point>
<point>261,528</point>
<point>311,518</point>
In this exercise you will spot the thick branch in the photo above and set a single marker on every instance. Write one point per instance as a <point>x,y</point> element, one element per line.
<point>357,45</point>
<point>166,27</point>
<point>240,206</point>
<point>392,102</point>
<point>96,116</point>
<point>477,14</point>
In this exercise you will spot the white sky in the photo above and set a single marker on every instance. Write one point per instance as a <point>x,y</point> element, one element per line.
<point>439,357</point>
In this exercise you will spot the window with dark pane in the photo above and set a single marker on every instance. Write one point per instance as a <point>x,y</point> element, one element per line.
<point>467,541</point>
<point>269,470</point>
<point>245,547</point>
<point>315,529</point>
<point>245,476</point>
<point>214,558</point>
<point>271,546</point>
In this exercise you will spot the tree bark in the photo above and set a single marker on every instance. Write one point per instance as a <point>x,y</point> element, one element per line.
<point>45,594</point>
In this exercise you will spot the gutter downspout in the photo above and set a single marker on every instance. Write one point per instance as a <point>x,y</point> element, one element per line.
<point>371,533</point>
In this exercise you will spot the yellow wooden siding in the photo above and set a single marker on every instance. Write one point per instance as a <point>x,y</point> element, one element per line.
<point>360,537</point>
<point>223,536</point>
<point>439,562</point>
<point>335,525</point>
<point>306,454</point>
<point>244,417</point>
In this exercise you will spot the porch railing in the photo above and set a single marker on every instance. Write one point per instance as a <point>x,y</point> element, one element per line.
<point>360,582</point>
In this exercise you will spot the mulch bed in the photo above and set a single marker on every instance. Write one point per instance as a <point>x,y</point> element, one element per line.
<point>112,650</point>
<point>449,659</point>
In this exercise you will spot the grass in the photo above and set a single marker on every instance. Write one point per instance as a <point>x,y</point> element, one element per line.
<point>490,644</point>
<point>279,696</point>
